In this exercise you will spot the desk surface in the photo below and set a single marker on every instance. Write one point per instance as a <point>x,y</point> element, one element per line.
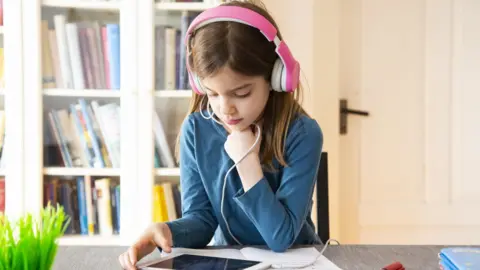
<point>346,257</point>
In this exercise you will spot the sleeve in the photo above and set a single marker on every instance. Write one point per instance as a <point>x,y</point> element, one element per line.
<point>279,216</point>
<point>197,225</point>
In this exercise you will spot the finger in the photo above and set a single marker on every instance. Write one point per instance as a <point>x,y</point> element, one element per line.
<point>167,245</point>
<point>126,262</point>
<point>132,256</point>
<point>168,238</point>
<point>164,239</point>
<point>164,244</point>
<point>120,260</point>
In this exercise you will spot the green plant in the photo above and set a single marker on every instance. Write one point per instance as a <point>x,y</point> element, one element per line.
<point>31,243</point>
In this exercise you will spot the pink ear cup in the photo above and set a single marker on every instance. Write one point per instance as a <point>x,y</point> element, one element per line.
<point>294,78</point>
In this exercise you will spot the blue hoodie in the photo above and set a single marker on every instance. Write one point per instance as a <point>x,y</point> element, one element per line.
<point>275,212</point>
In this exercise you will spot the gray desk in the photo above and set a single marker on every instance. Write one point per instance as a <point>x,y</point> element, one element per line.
<point>346,257</point>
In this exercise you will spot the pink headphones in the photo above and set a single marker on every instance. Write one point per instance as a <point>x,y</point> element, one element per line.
<point>286,70</point>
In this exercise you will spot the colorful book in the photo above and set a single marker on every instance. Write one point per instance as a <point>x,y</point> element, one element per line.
<point>460,258</point>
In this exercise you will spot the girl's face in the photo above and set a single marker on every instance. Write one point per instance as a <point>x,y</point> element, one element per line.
<point>236,99</point>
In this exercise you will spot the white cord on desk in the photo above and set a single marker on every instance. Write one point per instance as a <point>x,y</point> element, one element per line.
<point>303,264</point>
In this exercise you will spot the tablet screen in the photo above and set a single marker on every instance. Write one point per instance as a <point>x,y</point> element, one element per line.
<point>202,262</point>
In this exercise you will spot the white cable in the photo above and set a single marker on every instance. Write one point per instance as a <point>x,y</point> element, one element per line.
<point>211,116</point>
<point>225,181</point>
<point>208,110</point>
<point>303,264</point>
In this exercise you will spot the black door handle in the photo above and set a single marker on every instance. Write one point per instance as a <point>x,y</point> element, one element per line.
<point>355,112</point>
<point>344,111</point>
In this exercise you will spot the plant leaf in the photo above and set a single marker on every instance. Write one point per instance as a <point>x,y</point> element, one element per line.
<point>31,243</point>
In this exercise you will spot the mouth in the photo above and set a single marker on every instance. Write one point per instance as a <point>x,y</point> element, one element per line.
<point>233,121</point>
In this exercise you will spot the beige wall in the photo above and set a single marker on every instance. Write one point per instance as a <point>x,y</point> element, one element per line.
<point>310,28</point>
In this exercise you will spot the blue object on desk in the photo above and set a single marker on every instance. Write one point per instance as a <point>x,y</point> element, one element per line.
<point>460,258</point>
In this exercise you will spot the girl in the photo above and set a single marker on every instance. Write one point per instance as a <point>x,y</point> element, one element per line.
<point>248,152</point>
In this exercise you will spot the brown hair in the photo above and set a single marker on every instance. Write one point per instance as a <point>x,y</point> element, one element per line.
<point>246,50</point>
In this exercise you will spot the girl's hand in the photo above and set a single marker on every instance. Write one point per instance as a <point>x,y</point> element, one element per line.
<point>239,142</point>
<point>157,235</point>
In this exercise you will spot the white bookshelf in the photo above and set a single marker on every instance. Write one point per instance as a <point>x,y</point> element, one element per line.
<point>96,93</point>
<point>26,99</point>
<point>167,171</point>
<point>84,4</point>
<point>13,105</point>
<point>1,30</point>
<point>61,171</point>
<point>42,99</point>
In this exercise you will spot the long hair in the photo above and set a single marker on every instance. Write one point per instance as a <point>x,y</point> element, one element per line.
<point>245,50</point>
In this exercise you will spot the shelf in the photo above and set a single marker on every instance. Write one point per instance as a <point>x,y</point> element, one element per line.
<point>90,240</point>
<point>2,172</point>
<point>1,30</point>
<point>183,6</point>
<point>174,93</point>
<point>167,171</point>
<point>61,171</point>
<point>107,93</point>
<point>83,4</point>
<point>2,92</point>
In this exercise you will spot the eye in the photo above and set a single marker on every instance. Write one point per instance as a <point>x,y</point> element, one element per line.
<point>210,94</point>
<point>242,94</point>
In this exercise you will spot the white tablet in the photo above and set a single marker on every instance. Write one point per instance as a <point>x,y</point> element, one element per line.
<point>189,261</point>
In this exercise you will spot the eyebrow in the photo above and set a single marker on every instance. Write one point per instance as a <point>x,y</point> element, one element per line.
<point>233,89</point>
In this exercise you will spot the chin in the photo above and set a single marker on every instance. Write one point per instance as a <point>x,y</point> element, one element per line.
<point>238,127</point>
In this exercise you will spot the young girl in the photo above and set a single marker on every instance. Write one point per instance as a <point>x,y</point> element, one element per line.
<point>248,152</point>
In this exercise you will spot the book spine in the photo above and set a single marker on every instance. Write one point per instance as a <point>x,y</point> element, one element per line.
<point>91,132</point>
<point>59,21</point>
<point>82,205</point>
<point>113,38</point>
<point>104,206</point>
<point>75,56</point>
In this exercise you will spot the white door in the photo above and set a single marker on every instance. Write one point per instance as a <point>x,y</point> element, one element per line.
<point>410,171</point>
<point>405,174</point>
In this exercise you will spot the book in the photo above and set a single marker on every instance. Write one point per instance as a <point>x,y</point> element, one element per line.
<point>460,258</point>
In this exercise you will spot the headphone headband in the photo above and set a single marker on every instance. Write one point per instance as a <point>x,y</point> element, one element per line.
<point>285,74</point>
<point>234,14</point>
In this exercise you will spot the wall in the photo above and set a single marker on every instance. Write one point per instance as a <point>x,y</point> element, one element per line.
<point>310,29</point>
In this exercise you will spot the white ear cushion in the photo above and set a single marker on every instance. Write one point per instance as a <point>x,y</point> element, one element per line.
<point>283,78</point>
<point>277,75</point>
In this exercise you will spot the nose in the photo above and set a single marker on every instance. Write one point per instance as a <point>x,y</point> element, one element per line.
<point>226,106</point>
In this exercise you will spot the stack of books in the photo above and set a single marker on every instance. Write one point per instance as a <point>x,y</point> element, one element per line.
<point>459,258</point>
